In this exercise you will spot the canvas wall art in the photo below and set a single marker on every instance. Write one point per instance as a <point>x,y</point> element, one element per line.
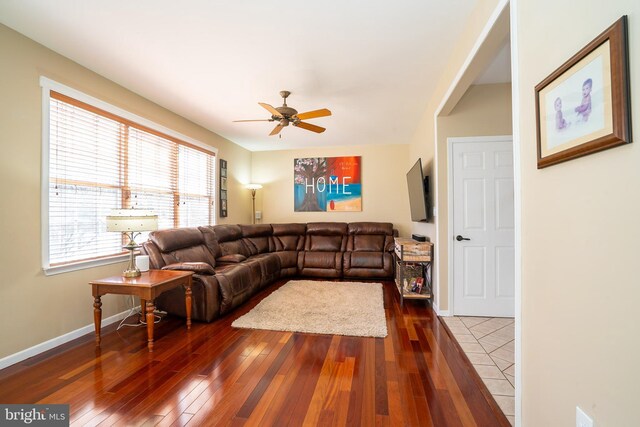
<point>327,184</point>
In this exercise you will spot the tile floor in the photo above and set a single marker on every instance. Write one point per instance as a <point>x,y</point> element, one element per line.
<point>489,343</point>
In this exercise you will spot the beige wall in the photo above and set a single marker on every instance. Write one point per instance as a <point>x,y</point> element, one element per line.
<point>580,234</point>
<point>484,110</point>
<point>35,308</point>
<point>384,185</point>
<point>423,142</point>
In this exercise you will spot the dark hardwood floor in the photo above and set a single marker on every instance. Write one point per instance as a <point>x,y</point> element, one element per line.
<point>219,375</point>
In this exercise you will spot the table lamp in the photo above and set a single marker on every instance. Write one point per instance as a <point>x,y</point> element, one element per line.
<point>253,188</point>
<point>131,222</point>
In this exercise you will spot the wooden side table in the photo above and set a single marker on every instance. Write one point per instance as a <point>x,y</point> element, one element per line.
<point>147,286</point>
<point>411,252</point>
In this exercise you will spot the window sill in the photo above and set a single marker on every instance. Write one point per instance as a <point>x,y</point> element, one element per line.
<point>83,265</point>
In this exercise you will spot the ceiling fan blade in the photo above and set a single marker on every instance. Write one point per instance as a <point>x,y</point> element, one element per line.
<point>276,130</point>
<point>309,126</point>
<point>261,120</point>
<point>323,112</point>
<point>270,109</point>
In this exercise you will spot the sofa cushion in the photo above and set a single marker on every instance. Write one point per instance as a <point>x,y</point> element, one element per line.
<point>289,229</point>
<point>176,238</point>
<point>366,243</point>
<point>257,238</point>
<point>269,267</point>
<point>384,228</point>
<point>320,264</point>
<point>288,262</point>
<point>256,230</point>
<point>211,240</point>
<point>288,237</point>
<point>186,248</point>
<point>288,243</point>
<point>234,247</point>
<point>367,264</point>
<point>229,238</point>
<point>370,237</point>
<point>324,243</point>
<point>236,285</point>
<point>227,232</point>
<point>367,260</point>
<point>327,228</point>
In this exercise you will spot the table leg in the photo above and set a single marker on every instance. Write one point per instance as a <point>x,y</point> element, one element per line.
<point>150,321</point>
<point>143,310</point>
<point>187,293</point>
<point>97,317</point>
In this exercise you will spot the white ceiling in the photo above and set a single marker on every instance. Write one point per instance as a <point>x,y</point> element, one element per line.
<point>373,63</point>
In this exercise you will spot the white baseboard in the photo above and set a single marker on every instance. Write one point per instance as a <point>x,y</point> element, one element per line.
<point>54,342</point>
<point>440,312</point>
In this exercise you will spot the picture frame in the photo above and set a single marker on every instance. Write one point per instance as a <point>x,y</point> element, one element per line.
<point>223,189</point>
<point>584,106</point>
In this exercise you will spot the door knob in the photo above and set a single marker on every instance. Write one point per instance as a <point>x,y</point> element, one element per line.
<point>459,238</point>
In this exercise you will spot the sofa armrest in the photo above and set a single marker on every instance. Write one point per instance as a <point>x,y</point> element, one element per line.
<point>231,259</point>
<point>196,267</point>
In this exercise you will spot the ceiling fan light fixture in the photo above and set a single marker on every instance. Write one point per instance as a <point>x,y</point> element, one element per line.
<point>285,115</point>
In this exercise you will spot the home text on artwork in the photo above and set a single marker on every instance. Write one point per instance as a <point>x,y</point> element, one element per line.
<point>334,186</point>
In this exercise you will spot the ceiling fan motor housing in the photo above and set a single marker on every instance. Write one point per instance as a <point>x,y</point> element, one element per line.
<point>287,112</point>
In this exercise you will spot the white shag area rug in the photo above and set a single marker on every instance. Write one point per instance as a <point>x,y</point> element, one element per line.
<point>338,308</point>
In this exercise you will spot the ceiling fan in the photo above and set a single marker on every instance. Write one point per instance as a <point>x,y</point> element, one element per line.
<point>286,115</point>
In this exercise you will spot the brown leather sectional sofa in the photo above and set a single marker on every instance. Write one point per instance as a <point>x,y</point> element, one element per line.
<point>233,262</point>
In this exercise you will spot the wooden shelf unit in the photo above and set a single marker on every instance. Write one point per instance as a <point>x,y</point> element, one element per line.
<point>413,259</point>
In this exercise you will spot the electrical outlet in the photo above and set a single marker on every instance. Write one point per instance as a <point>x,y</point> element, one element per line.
<point>582,419</point>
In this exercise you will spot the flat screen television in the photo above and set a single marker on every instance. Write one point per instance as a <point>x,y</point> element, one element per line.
<point>418,193</point>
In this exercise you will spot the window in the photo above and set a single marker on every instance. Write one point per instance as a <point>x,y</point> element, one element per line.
<point>98,161</point>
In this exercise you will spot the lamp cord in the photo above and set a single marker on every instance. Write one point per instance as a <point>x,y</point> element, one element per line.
<point>136,310</point>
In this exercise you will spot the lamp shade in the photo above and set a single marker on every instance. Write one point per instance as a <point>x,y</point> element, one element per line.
<point>253,186</point>
<point>132,220</point>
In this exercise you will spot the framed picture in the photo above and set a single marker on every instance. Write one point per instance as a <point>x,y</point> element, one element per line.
<point>583,106</point>
<point>223,189</point>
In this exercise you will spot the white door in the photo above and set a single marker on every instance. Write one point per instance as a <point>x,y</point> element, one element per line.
<point>483,227</point>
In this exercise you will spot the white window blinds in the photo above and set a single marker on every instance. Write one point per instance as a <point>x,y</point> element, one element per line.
<point>99,161</point>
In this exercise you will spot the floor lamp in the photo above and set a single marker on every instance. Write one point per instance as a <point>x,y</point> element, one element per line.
<point>253,188</point>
